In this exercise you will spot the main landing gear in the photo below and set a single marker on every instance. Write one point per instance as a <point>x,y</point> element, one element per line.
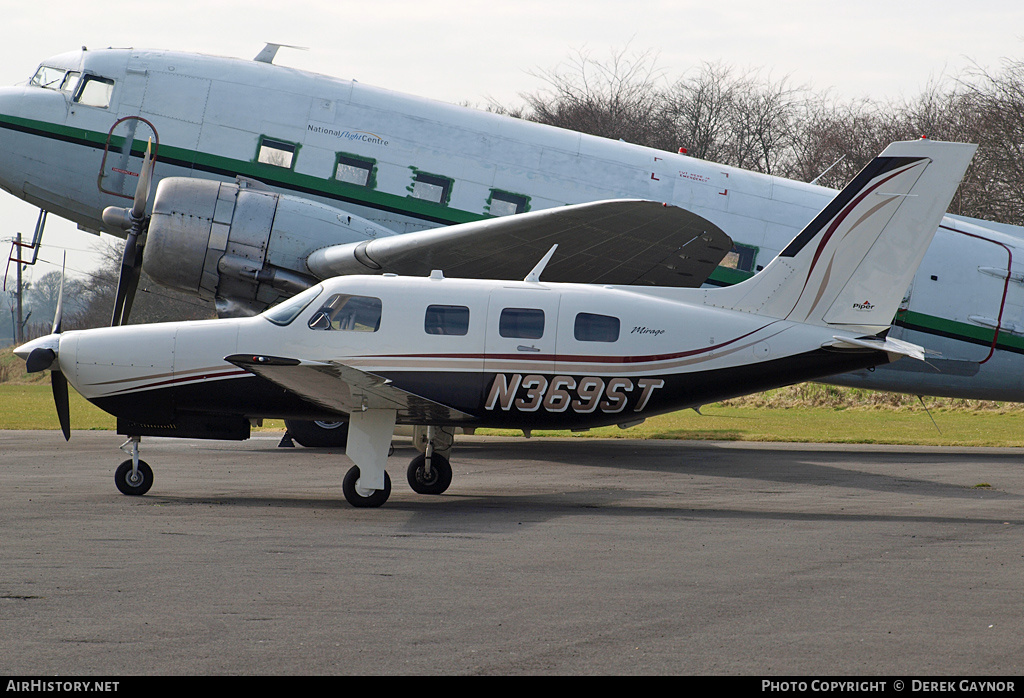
<point>428,473</point>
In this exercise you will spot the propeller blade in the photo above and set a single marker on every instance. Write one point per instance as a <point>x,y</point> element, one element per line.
<point>58,314</point>
<point>142,187</point>
<point>60,399</point>
<point>128,280</point>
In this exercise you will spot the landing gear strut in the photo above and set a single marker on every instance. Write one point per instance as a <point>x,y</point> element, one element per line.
<point>133,477</point>
<point>431,472</point>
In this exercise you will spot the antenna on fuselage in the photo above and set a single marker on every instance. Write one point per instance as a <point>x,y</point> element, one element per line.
<point>270,51</point>
<point>534,276</point>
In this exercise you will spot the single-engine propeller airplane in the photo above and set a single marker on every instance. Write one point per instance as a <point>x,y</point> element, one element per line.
<point>446,352</point>
<point>270,180</point>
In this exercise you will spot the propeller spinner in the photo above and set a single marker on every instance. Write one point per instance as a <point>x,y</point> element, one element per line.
<point>135,222</point>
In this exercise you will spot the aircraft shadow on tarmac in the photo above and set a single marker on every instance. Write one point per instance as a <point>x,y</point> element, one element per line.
<point>492,510</point>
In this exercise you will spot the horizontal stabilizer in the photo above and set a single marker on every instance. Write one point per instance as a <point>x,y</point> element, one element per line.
<point>894,347</point>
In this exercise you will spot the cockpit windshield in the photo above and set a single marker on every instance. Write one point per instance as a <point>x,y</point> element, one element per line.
<point>48,77</point>
<point>283,313</point>
<point>90,90</point>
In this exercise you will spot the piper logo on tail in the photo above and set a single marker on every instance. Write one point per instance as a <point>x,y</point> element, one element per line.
<point>866,305</point>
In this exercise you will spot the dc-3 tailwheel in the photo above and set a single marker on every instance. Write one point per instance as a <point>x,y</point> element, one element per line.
<point>433,481</point>
<point>359,497</point>
<point>133,482</point>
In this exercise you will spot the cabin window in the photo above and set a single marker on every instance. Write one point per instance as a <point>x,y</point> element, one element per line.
<point>95,91</point>
<point>431,188</point>
<point>521,323</point>
<point>354,170</point>
<point>50,78</point>
<point>286,311</point>
<point>596,328</point>
<point>349,313</point>
<point>503,203</point>
<point>740,257</point>
<point>446,319</point>
<point>276,153</point>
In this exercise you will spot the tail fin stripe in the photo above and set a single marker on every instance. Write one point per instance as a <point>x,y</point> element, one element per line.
<point>877,167</point>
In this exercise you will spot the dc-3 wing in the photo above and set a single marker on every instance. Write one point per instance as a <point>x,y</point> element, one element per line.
<point>344,389</point>
<point>619,242</point>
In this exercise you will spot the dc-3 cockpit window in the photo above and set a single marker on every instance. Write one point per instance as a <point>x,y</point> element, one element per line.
<point>344,312</point>
<point>95,91</point>
<point>50,78</point>
<point>70,82</point>
<point>92,90</point>
<point>283,313</point>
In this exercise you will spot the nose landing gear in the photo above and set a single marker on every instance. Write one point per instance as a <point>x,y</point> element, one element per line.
<point>133,477</point>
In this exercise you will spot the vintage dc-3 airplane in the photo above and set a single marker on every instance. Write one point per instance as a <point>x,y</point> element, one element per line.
<point>443,352</point>
<point>270,180</point>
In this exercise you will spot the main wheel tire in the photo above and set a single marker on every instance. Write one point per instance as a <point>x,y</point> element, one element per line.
<point>132,483</point>
<point>318,434</point>
<point>439,479</point>
<point>375,499</point>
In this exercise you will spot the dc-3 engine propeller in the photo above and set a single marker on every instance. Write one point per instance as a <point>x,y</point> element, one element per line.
<point>136,223</point>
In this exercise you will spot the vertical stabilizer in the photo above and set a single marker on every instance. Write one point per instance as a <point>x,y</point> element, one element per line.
<point>850,267</point>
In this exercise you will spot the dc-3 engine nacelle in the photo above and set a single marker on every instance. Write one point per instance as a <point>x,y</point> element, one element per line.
<point>245,247</point>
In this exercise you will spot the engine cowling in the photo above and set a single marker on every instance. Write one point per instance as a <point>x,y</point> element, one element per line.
<point>242,246</point>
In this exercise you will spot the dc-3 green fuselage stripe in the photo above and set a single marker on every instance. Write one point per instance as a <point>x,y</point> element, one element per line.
<point>422,210</point>
<point>273,176</point>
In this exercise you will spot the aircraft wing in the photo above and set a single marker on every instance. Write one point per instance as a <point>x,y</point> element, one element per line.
<point>344,389</point>
<point>619,242</point>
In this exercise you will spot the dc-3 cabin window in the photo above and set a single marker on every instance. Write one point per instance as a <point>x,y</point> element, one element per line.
<point>348,313</point>
<point>354,170</point>
<point>431,188</point>
<point>276,153</point>
<point>503,203</point>
<point>521,323</point>
<point>596,328</point>
<point>740,257</point>
<point>450,320</point>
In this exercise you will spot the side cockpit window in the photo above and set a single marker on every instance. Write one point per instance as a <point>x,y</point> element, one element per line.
<point>95,91</point>
<point>350,313</point>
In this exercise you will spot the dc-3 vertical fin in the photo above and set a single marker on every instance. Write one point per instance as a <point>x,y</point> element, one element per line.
<point>850,267</point>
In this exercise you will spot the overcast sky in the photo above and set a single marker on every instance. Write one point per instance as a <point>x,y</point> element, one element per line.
<point>470,51</point>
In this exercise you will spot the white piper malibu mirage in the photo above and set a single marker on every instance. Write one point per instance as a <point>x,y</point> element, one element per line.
<point>445,352</point>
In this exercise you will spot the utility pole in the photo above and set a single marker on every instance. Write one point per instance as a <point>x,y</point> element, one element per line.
<point>19,333</point>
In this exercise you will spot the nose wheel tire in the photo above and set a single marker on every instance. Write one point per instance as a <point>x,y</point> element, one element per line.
<point>133,483</point>
<point>358,497</point>
<point>434,482</point>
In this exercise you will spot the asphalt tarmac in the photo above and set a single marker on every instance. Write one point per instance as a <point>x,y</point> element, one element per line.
<point>546,556</point>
